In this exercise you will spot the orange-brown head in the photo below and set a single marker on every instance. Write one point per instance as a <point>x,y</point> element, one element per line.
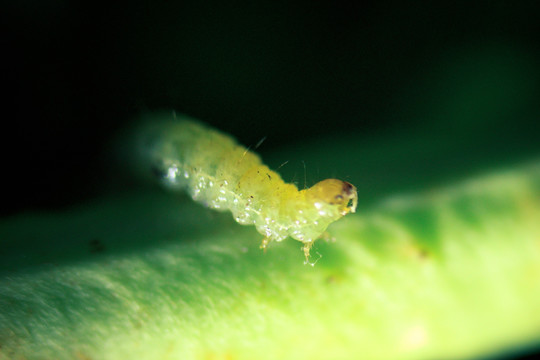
<point>334,192</point>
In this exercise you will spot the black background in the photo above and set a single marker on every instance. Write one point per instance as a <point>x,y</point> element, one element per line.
<point>76,72</point>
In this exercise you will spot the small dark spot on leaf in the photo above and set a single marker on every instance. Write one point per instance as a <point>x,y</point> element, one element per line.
<point>82,356</point>
<point>96,246</point>
<point>333,279</point>
<point>423,254</point>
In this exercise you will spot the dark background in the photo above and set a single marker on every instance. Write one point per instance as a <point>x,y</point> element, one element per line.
<point>76,72</point>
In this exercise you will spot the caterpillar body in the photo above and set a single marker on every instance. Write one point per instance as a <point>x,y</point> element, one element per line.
<point>218,172</point>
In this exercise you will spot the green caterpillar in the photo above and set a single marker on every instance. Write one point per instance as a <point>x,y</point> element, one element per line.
<point>223,175</point>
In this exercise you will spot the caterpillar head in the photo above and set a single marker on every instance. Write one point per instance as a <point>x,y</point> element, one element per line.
<point>337,194</point>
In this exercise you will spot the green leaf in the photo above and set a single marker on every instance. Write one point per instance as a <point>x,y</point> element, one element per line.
<point>450,272</point>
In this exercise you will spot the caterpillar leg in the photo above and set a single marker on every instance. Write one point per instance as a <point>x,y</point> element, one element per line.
<point>307,248</point>
<point>264,244</point>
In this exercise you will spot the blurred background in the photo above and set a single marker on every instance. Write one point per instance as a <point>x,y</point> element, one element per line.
<point>77,72</point>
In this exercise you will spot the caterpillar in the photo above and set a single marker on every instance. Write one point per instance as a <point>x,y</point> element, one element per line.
<point>215,170</point>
